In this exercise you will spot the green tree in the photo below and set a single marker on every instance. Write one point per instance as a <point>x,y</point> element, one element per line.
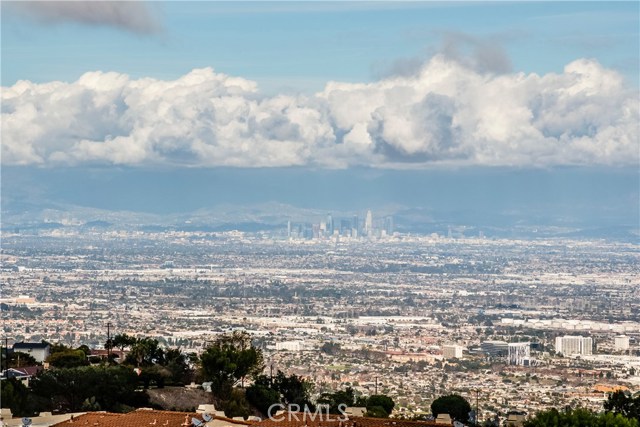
<point>155,374</point>
<point>236,404</point>
<point>145,352</point>
<point>113,387</point>
<point>17,359</point>
<point>65,388</point>
<point>262,395</point>
<point>68,359</point>
<point>85,349</point>
<point>454,405</point>
<point>177,364</point>
<point>377,402</point>
<point>622,403</point>
<point>579,418</point>
<point>294,389</point>
<point>229,360</point>
<point>57,348</point>
<point>330,347</point>
<point>345,397</point>
<point>120,341</point>
<point>14,395</point>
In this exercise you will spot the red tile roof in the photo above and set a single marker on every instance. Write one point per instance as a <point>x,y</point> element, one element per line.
<point>300,419</point>
<point>139,418</point>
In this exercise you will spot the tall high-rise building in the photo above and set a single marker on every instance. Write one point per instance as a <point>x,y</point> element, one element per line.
<point>345,227</point>
<point>622,343</point>
<point>330,225</point>
<point>288,228</point>
<point>569,345</point>
<point>355,226</point>
<point>368,224</point>
<point>519,352</point>
<point>388,225</point>
<point>452,352</point>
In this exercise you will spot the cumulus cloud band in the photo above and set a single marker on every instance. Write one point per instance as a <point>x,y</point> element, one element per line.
<point>447,113</point>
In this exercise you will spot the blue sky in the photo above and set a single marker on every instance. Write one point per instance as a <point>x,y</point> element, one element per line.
<point>301,45</point>
<point>446,93</point>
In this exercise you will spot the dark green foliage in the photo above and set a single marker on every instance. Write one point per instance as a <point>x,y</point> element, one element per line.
<point>330,348</point>
<point>378,406</point>
<point>624,404</point>
<point>145,352</point>
<point>17,359</point>
<point>121,341</point>
<point>344,397</point>
<point>294,390</point>
<point>156,375</point>
<point>85,349</point>
<point>379,401</point>
<point>68,389</point>
<point>176,363</point>
<point>14,395</point>
<point>68,359</point>
<point>229,360</point>
<point>236,405</point>
<point>579,418</point>
<point>57,348</point>
<point>261,395</point>
<point>454,405</point>
<point>283,389</point>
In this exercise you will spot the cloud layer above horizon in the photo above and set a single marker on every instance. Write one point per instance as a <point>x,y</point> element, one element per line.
<point>445,114</point>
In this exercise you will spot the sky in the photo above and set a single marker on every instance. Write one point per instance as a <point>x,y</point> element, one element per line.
<point>322,86</point>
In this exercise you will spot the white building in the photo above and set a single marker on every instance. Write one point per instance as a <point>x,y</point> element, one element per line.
<point>38,350</point>
<point>569,345</point>
<point>622,343</point>
<point>518,352</point>
<point>452,351</point>
<point>291,346</point>
<point>368,224</point>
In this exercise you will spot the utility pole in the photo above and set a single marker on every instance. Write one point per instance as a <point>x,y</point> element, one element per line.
<point>376,386</point>
<point>6,353</point>
<point>477,393</point>
<point>271,375</point>
<point>109,343</point>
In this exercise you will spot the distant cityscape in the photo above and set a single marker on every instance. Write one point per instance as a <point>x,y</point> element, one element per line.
<point>343,227</point>
<point>521,325</point>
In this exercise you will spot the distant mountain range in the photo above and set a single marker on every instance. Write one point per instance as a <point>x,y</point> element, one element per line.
<point>498,203</point>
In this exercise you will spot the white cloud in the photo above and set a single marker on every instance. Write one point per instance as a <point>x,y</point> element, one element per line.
<point>445,114</point>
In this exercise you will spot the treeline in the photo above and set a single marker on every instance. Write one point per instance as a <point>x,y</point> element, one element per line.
<point>72,383</point>
<point>621,409</point>
<point>228,364</point>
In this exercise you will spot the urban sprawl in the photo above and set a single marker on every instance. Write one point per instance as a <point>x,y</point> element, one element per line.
<point>510,325</point>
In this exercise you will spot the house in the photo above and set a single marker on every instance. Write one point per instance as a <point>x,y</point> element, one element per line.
<point>38,350</point>
<point>145,417</point>
<point>22,374</point>
<point>99,355</point>
<point>44,419</point>
<point>322,419</point>
<point>355,411</point>
<point>516,419</point>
